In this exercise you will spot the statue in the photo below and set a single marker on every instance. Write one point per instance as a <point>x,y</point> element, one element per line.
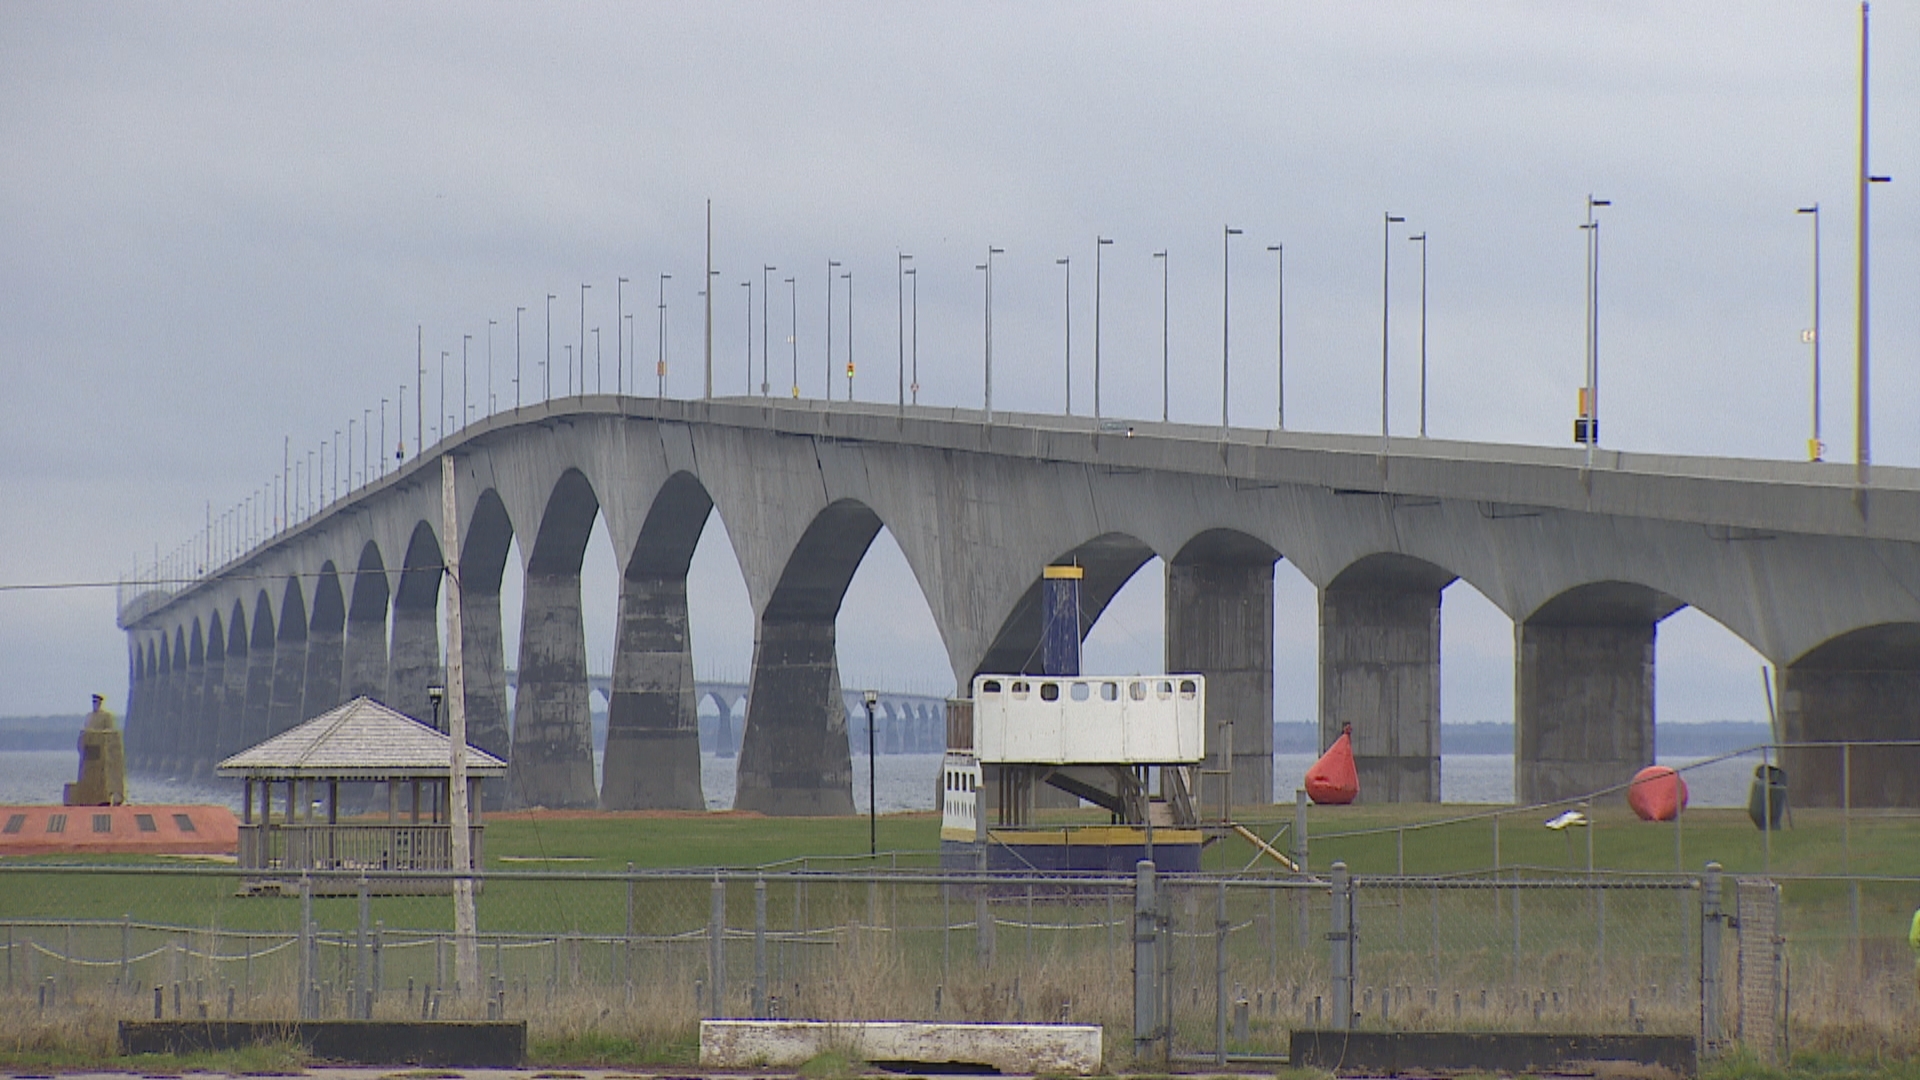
<point>103,762</point>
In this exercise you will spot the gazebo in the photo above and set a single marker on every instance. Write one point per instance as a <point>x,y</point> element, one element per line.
<point>361,741</point>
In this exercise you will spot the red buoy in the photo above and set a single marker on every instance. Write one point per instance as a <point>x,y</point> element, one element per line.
<point>1657,793</point>
<point>1333,780</point>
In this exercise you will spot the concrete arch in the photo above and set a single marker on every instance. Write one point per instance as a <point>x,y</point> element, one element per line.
<point>653,728</point>
<point>1108,561</point>
<point>326,645</point>
<point>364,655</point>
<point>1861,685</point>
<point>552,761</point>
<point>413,657</point>
<point>289,660</point>
<point>255,725</point>
<point>142,703</point>
<point>794,758</point>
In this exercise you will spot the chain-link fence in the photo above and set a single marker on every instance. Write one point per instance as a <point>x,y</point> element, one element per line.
<point>1193,966</point>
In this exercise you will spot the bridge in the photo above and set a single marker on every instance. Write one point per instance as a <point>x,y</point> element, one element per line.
<point>1821,577</point>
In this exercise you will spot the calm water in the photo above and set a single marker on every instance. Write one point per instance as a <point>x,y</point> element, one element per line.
<point>902,781</point>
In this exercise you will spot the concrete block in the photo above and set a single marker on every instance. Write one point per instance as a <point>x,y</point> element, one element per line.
<point>1071,1049</point>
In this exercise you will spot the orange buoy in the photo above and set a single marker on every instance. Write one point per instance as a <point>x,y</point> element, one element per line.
<point>1333,780</point>
<point>1657,793</point>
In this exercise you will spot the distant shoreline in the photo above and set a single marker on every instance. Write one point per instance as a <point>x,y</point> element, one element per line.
<point>1689,740</point>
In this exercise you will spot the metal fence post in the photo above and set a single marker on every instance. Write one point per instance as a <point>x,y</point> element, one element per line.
<point>305,990</point>
<point>1341,935</point>
<point>1711,918</point>
<point>626,953</point>
<point>760,948</point>
<point>363,963</point>
<point>1146,964</point>
<point>126,954</point>
<point>1220,927</point>
<point>1302,900</point>
<point>717,951</point>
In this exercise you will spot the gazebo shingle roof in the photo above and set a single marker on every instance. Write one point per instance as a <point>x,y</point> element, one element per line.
<point>361,740</point>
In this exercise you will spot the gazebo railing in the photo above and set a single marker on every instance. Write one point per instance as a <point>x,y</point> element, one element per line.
<point>351,846</point>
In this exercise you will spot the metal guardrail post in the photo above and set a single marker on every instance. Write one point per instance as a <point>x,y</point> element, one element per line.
<point>1341,935</point>
<point>305,989</point>
<point>760,948</point>
<point>717,951</point>
<point>1146,963</point>
<point>1712,917</point>
<point>126,954</point>
<point>1220,928</point>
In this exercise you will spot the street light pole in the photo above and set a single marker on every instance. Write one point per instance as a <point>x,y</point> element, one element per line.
<point>1592,403</point>
<point>546,369</point>
<point>793,332</point>
<point>1814,447</point>
<point>583,343</point>
<point>1280,336</point>
<point>466,383</point>
<point>440,422</point>
<point>1066,363</point>
<point>1386,293</point>
<point>900,320</point>
<point>706,294</point>
<point>1166,366</point>
<point>419,392</point>
<point>914,273</point>
<point>619,335</point>
<point>988,267</point>
<point>1099,242</point>
<point>599,382</point>
<point>848,276</point>
<point>765,386</point>
<point>517,312</point>
<point>1422,241</point>
<point>748,384</point>
<point>491,323</point>
<point>1863,413</point>
<point>1226,314</point>
<point>660,365</point>
<point>832,265</point>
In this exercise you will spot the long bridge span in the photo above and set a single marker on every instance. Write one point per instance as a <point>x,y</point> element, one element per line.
<point>1820,577</point>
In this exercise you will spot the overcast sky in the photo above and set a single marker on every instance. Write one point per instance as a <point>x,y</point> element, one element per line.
<point>222,225</point>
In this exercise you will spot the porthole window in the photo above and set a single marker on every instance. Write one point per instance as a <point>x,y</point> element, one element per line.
<point>1049,691</point>
<point>1189,689</point>
<point>1137,690</point>
<point>1109,691</point>
<point>1081,691</point>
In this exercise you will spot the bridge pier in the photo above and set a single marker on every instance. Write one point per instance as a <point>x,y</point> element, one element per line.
<point>484,657</point>
<point>1583,690</point>
<point>1863,686</point>
<point>653,730</point>
<point>552,761</point>
<point>213,704</point>
<point>1219,623</point>
<point>256,707</point>
<point>233,700</point>
<point>364,659</point>
<point>794,759</point>
<point>193,698</point>
<point>414,655</point>
<point>326,651</point>
<point>1380,672</point>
